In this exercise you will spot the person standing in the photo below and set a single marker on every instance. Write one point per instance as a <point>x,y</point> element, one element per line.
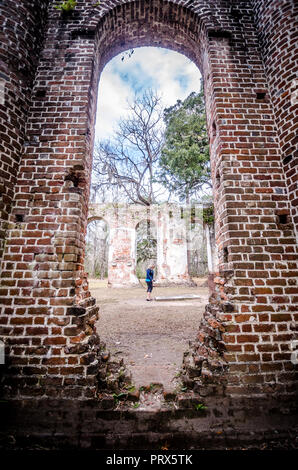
<point>149,281</point>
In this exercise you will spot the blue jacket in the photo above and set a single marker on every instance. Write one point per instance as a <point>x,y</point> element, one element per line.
<point>149,275</point>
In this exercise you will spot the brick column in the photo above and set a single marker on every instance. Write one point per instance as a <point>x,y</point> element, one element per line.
<point>249,323</point>
<point>276,24</point>
<point>172,245</point>
<point>47,314</point>
<point>122,248</point>
<point>22,31</point>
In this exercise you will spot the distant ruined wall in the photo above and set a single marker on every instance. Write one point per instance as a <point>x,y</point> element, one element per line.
<point>173,241</point>
<point>243,345</point>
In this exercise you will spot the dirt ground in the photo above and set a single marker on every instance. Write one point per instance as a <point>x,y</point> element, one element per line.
<point>151,337</point>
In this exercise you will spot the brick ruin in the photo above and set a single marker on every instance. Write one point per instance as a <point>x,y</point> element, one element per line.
<point>50,65</point>
<point>173,240</point>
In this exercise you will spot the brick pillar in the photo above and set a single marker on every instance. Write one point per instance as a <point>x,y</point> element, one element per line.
<point>249,323</point>
<point>276,24</point>
<point>122,248</point>
<point>172,245</point>
<point>21,38</point>
<point>47,314</point>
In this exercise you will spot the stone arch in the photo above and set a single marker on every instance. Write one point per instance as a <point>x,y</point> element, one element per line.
<point>92,218</point>
<point>165,25</point>
<point>169,24</point>
<point>247,329</point>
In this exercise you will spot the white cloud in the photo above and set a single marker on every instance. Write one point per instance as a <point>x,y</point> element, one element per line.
<point>112,97</point>
<point>172,74</point>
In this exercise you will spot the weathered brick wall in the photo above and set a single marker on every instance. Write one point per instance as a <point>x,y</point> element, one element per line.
<point>256,284</point>
<point>277,31</point>
<point>47,314</point>
<point>22,30</point>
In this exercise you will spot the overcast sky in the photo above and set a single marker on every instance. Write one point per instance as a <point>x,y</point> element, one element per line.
<point>171,74</point>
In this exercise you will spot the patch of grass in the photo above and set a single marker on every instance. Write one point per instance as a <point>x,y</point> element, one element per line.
<point>130,388</point>
<point>66,6</point>
<point>119,395</point>
<point>200,406</point>
<point>154,387</point>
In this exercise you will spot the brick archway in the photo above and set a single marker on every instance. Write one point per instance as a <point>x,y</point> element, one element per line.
<point>47,314</point>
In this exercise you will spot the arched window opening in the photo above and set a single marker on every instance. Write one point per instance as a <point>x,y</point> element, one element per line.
<point>148,206</point>
<point>146,247</point>
<point>97,248</point>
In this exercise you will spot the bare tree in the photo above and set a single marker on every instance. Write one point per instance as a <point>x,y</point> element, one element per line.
<point>126,165</point>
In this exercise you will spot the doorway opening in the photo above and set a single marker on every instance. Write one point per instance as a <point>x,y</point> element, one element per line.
<point>129,183</point>
<point>97,249</point>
